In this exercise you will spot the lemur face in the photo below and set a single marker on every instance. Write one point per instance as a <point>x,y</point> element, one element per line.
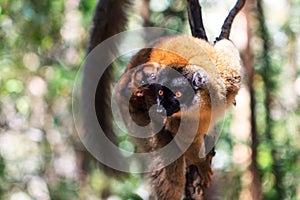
<point>168,100</point>
<point>177,87</point>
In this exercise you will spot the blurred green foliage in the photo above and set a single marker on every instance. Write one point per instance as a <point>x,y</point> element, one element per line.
<point>65,189</point>
<point>43,44</point>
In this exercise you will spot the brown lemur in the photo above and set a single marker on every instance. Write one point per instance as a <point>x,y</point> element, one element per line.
<point>213,73</point>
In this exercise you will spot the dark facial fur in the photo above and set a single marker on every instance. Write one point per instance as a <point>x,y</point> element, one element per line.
<point>175,87</point>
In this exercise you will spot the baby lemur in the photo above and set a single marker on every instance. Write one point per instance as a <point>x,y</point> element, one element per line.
<point>186,78</point>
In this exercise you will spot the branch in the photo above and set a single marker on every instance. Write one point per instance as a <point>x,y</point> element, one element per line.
<point>195,19</point>
<point>225,31</point>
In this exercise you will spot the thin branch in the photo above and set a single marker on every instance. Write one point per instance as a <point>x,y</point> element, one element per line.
<point>195,19</point>
<point>225,31</point>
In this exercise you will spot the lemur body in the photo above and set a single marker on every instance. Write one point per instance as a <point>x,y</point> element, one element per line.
<point>187,55</point>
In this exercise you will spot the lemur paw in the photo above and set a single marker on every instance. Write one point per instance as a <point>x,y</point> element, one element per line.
<point>205,172</point>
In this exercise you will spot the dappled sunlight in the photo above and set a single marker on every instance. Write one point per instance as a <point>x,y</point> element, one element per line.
<point>21,153</point>
<point>31,61</point>
<point>43,45</point>
<point>37,86</point>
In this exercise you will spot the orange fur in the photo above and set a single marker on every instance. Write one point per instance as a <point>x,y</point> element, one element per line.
<point>222,63</point>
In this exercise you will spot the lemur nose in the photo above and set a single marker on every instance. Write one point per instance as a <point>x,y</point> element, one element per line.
<point>160,109</point>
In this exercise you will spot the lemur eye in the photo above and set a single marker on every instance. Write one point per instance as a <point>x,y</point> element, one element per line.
<point>160,92</point>
<point>178,94</point>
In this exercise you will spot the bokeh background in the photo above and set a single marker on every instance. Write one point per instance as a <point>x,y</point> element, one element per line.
<point>43,44</point>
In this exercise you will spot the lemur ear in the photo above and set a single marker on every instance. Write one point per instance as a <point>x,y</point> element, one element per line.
<point>200,79</point>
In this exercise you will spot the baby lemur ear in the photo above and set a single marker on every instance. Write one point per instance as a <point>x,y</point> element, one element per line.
<point>198,78</point>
